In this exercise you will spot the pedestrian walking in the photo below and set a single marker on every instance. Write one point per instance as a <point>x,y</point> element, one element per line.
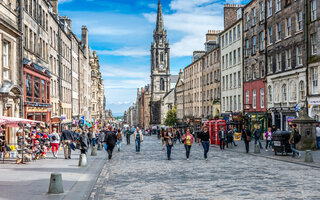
<point>188,140</point>
<point>269,142</point>
<point>179,135</point>
<point>54,141</point>
<point>93,137</point>
<point>128,133</point>
<point>84,142</point>
<point>295,138</point>
<point>162,133</point>
<point>204,140</point>
<point>257,136</point>
<point>318,135</point>
<point>234,131</point>
<point>110,140</point>
<point>222,137</point>
<point>66,139</point>
<point>119,139</point>
<point>246,136</point>
<point>138,137</point>
<point>168,139</point>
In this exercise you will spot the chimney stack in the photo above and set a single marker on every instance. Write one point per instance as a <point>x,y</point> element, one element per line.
<point>54,4</point>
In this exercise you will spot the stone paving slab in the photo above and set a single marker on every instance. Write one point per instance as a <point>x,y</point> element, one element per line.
<point>226,175</point>
<point>31,180</point>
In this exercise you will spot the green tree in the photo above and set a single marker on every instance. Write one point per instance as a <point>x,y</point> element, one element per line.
<point>171,118</point>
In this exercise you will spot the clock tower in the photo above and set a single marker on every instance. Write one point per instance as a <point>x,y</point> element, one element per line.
<point>160,67</point>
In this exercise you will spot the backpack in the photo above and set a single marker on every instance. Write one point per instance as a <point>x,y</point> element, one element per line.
<point>54,138</point>
<point>297,137</point>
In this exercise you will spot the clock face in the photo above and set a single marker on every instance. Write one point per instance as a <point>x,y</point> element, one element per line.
<point>161,67</point>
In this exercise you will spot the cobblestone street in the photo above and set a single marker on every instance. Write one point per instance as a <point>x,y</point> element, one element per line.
<point>226,175</point>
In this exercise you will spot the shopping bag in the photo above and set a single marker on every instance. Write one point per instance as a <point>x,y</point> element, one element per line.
<point>105,146</point>
<point>73,146</point>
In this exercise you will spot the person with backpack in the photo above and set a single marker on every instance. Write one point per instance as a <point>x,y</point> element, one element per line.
<point>246,136</point>
<point>84,142</point>
<point>222,137</point>
<point>138,137</point>
<point>168,137</point>
<point>119,139</point>
<point>110,140</point>
<point>295,138</point>
<point>54,141</point>
<point>257,136</point>
<point>269,139</point>
<point>127,133</point>
<point>188,140</point>
<point>204,140</point>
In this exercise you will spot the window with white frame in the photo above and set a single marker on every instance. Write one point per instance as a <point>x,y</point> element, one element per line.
<point>313,40</point>
<point>222,41</point>
<point>234,79</point>
<point>230,108</point>
<point>261,97</point>
<point>224,104</point>
<point>261,11</point>
<point>269,7</point>
<point>288,27</point>
<point>239,55</point>
<point>235,102</point>
<point>227,39</point>
<point>246,71</point>
<point>239,31</point>
<point>227,82</point>
<point>239,102</point>
<point>222,62</point>
<point>284,92</point>
<point>301,90</point>
<point>223,83</point>
<point>269,94</point>
<point>277,93</point>
<point>247,21</point>
<point>314,80</point>
<point>230,81</point>
<point>288,59</point>
<point>299,55</point>
<point>234,57</point>
<point>278,62</point>
<point>293,91</point>
<point>234,33</point>
<point>5,60</point>
<point>227,100</point>
<point>254,72</point>
<point>299,21</point>
<point>227,60</point>
<point>247,48</point>
<point>254,99</point>
<point>261,41</point>
<point>262,69</point>
<point>270,37</point>
<point>230,36</point>
<point>279,32</point>
<point>254,44</point>
<point>278,5</point>
<point>239,79</point>
<point>230,58</point>
<point>247,99</point>
<point>253,16</point>
<point>313,10</point>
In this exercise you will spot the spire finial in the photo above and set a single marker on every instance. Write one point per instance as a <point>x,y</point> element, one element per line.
<point>160,26</point>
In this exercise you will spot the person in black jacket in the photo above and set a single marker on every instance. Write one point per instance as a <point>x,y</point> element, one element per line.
<point>257,136</point>
<point>246,136</point>
<point>66,139</point>
<point>110,140</point>
<point>222,137</point>
<point>204,140</point>
<point>84,142</point>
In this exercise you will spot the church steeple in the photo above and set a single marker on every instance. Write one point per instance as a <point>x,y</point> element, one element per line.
<point>160,25</point>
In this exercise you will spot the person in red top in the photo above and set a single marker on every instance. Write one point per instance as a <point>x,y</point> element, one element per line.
<point>187,140</point>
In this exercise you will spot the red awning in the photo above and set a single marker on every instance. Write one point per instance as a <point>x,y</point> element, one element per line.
<point>13,122</point>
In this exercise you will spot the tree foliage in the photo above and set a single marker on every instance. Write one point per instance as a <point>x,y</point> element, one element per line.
<point>171,118</point>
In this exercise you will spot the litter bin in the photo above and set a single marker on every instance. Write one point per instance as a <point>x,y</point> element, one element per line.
<point>280,141</point>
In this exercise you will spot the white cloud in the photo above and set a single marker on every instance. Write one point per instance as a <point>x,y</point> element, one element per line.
<point>122,72</point>
<point>191,19</point>
<point>64,1</point>
<point>126,51</point>
<point>126,84</point>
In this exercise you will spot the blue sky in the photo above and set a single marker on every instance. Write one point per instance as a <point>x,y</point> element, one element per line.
<point>121,32</point>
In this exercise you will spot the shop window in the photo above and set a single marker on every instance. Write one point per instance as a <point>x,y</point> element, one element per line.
<point>43,92</point>
<point>293,91</point>
<point>37,117</point>
<point>314,80</point>
<point>48,93</point>
<point>5,60</point>
<point>36,91</point>
<point>28,87</point>
<point>284,93</point>
<point>269,94</point>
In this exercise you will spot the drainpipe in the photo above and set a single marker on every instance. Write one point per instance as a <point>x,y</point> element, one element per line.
<point>60,71</point>
<point>306,40</point>
<point>20,47</point>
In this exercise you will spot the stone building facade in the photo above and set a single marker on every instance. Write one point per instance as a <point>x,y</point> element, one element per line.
<point>179,97</point>
<point>231,70</point>
<point>313,58</point>
<point>10,62</point>
<point>254,86</point>
<point>286,70</point>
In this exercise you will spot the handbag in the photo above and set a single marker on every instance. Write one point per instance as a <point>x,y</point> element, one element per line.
<point>248,138</point>
<point>105,147</point>
<point>73,147</point>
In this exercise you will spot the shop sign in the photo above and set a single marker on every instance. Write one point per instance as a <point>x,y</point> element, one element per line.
<point>314,101</point>
<point>36,109</point>
<point>290,119</point>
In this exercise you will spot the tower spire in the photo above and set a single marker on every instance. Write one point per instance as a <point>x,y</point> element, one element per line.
<point>160,26</point>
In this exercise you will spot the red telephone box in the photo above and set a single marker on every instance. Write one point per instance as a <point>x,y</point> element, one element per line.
<point>214,127</point>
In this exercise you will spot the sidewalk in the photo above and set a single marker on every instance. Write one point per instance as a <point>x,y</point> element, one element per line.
<point>31,181</point>
<point>270,154</point>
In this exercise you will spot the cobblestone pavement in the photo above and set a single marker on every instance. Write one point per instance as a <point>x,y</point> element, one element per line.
<point>226,175</point>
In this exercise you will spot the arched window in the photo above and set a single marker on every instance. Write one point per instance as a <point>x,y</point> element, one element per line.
<point>270,94</point>
<point>301,90</point>
<point>293,91</point>
<point>161,84</point>
<point>284,92</point>
<point>161,57</point>
<point>277,93</point>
